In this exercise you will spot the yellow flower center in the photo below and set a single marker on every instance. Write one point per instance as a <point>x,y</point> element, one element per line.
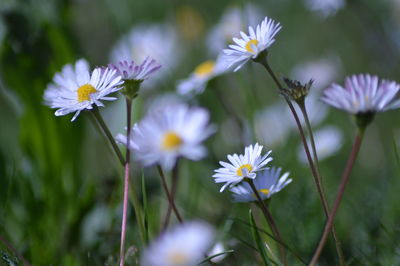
<point>239,171</point>
<point>249,44</point>
<point>264,191</point>
<point>205,68</point>
<point>171,141</point>
<point>177,258</point>
<point>261,191</point>
<point>84,92</point>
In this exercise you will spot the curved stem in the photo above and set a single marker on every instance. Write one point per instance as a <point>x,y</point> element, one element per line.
<point>270,221</point>
<point>108,134</point>
<point>318,182</point>
<point>314,167</point>
<point>343,183</point>
<point>170,199</point>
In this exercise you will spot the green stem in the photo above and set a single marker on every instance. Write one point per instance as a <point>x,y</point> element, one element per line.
<point>339,196</point>
<point>270,221</point>
<point>108,134</point>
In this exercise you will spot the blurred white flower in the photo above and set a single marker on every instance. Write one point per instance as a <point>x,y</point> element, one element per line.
<point>184,245</point>
<point>273,125</point>
<point>328,141</point>
<point>203,73</point>
<point>363,93</point>
<point>325,8</point>
<point>267,183</point>
<point>168,133</point>
<point>231,23</point>
<point>76,88</point>
<point>323,71</point>
<point>158,41</point>
<point>217,249</point>
<point>241,166</point>
<point>250,46</point>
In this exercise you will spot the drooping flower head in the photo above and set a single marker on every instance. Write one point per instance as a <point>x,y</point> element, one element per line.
<point>363,93</point>
<point>267,183</point>
<point>250,46</point>
<point>169,132</point>
<point>241,166</point>
<point>76,88</point>
<point>203,73</point>
<point>184,245</point>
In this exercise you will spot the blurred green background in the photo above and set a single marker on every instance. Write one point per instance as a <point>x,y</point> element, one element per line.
<point>61,187</point>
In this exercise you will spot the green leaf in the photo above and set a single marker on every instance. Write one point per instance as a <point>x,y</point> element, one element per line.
<point>216,255</point>
<point>258,240</point>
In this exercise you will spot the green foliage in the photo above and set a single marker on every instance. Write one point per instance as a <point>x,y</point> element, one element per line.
<point>61,187</point>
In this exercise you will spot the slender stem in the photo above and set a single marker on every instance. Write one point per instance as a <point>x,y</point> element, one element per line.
<point>14,250</point>
<point>318,182</point>
<point>175,175</point>
<point>343,183</point>
<point>270,221</point>
<point>170,200</point>
<point>314,167</point>
<point>126,182</point>
<point>108,134</point>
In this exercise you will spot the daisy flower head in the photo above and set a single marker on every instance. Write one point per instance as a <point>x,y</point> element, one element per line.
<point>184,245</point>
<point>363,94</point>
<point>133,74</point>
<point>76,88</point>
<point>241,166</point>
<point>129,70</point>
<point>169,132</point>
<point>250,46</point>
<point>203,73</point>
<point>267,183</point>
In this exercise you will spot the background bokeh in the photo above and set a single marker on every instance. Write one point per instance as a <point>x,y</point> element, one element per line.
<point>61,187</point>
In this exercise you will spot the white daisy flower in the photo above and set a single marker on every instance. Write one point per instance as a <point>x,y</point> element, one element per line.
<point>267,183</point>
<point>76,88</point>
<point>328,141</point>
<point>233,20</point>
<point>159,41</point>
<point>184,245</point>
<point>241,166</point>
<point>273,125</point>
<point>203,73</point>
<point>322,70</point>
<point>168,133</point>
<point>128,70</point>
<point>250,46</point>
<point>363,93</point>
